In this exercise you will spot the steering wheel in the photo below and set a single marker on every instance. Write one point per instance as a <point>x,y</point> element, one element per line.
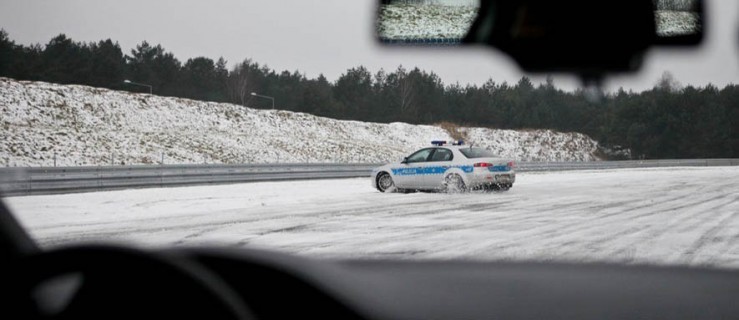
<point>114,282</point>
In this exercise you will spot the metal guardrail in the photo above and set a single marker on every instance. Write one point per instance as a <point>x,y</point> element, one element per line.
<point>599,165</point>
<point>52,180</point>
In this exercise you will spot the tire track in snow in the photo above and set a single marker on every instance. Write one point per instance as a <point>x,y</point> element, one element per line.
<point>709,236</point>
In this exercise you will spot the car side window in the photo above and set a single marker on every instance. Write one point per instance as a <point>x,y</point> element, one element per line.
<point>419,156</point>
<point>442,155</point>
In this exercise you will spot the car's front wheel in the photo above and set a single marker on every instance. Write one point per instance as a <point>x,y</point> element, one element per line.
<point>454,184</point>
<point>385,182</point>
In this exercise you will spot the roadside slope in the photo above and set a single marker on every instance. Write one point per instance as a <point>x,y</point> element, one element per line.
<point>89,126</point>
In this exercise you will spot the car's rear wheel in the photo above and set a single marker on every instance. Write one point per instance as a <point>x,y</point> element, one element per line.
<point>491,187</point>
<point>454,184</point>
<point>385,182</point>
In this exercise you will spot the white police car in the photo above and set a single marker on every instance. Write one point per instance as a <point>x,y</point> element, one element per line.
<point>447,166</point>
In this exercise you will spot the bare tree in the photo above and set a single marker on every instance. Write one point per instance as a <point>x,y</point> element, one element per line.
<point>405,90</point>
<point>667,82</point>
<point>241,82</point>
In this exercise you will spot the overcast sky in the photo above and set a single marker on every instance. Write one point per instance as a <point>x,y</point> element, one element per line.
<point>327,36</point>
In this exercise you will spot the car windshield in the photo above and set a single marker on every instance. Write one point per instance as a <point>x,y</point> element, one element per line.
<point>473,153</point>
<point>283,125</point>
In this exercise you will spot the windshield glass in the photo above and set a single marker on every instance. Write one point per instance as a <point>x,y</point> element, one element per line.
<point>283,125</point>
<point>477,153</point>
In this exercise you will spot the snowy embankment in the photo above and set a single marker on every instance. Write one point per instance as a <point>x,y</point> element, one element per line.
<point>89,126</point>
<point>662,215</point>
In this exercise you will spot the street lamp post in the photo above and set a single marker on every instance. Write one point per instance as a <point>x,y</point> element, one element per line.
<point>151,89</point>
<point>266,97</point>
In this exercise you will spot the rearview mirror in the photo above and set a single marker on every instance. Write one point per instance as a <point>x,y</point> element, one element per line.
<point>586,37</point>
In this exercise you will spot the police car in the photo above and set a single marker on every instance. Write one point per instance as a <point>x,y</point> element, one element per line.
<point>446,166</point>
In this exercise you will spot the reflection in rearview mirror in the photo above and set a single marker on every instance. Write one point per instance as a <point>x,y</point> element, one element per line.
<point>677,18</point>
<point>433,22</point>
<point>447,22</point>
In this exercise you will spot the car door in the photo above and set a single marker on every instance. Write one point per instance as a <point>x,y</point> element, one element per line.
<point>410,173</point>
<point>439,162</point>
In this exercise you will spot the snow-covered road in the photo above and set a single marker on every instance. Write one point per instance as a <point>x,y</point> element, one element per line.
<point>665,216</point>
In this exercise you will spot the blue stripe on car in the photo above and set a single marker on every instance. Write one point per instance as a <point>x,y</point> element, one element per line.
<point>428,170</point>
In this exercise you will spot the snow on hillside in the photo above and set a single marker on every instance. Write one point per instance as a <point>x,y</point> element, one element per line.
<point>534,144</point>
<point>89,126</point>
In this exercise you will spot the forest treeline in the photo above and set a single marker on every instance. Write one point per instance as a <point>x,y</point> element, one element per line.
<point>668,121</point>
